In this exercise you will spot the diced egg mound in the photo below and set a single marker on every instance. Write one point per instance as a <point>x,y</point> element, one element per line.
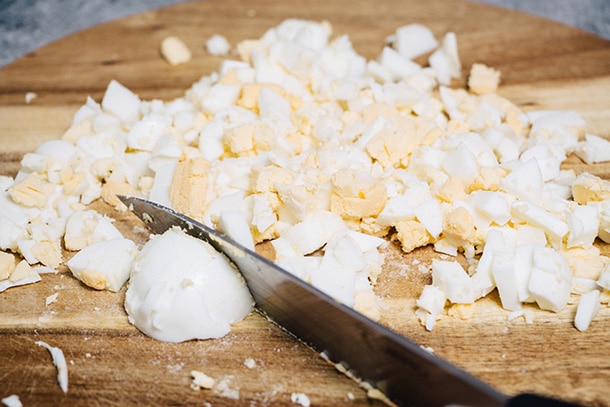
<point>304,143</point>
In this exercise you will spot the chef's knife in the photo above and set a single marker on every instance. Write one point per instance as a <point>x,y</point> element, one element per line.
<point>407,374</point>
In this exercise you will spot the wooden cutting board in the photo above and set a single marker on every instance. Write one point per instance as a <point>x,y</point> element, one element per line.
<point>544,65</point>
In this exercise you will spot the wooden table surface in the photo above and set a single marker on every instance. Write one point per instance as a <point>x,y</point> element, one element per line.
<point>544,65</point>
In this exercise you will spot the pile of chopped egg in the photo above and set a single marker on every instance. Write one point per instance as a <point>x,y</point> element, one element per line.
<point>306,144</point>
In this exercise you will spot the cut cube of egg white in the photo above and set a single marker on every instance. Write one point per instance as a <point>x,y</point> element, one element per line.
<point>583,225</point>
<point>536,216</point>
<point>431,304</point>
<point>181,288</point>
<point>121,102</point>
<point>86,227</point>
<point>104,265</point>
<point>402,206</point>
<point>396,64</point>
<point>550,279</point>
<point>159,192</point>
<point>413,40</point>
<point>593,149</point>
<point>588,307</point>
<point>146,132</point>
<point>491,205</point>
<point>429,214</point>
<point>313,232</point>
<point>548,157</point>
<point>235,225</point>
<point>524,182</point>
<point>505,277</point>
<point>300,266</point>
<point>340,264</point>
<point>583,285</point>
<point>446,61</point>
<point>461,162</point>
<point>483,277</point>
<point>451,278</point>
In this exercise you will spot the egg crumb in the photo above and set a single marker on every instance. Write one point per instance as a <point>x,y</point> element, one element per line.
<point>60,363</point>
<point>250,363</point>
<point>51,299</point>
<point>300,399</point>
<point>29,97</point>
<point>12,401</point>
<point>217,45</point>
<point>201,380</point>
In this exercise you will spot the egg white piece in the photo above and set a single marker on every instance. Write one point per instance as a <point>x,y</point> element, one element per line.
<point>121,102</point>
<point>60,363</point>
<point>593,149</point>
<point>451,278</point>
<point>95,267</point>
<point>86,227</point>
<point>588,306</point>
<point>234,225</point>
<point>217,45</point>
<point>181,289</point>
<point>550,279</point>
<point>12,401</point>
<point>413,40</point>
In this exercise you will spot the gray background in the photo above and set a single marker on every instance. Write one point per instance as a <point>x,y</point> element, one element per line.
<point>29,24</point>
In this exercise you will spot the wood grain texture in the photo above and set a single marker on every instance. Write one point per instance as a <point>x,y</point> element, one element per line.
<point>544,65</point>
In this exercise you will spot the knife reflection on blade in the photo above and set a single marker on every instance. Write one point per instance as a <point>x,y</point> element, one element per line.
<point>407,374</point>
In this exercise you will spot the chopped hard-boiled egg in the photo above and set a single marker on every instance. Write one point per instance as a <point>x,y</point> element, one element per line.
<point>304,143</point>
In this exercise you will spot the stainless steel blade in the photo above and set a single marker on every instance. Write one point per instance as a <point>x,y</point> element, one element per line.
<point>407,374</point>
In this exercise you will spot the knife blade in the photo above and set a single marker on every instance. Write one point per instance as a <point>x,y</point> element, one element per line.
<point>370,352</point>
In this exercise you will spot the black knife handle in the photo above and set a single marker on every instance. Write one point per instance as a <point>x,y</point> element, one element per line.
<point>533,400</point>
